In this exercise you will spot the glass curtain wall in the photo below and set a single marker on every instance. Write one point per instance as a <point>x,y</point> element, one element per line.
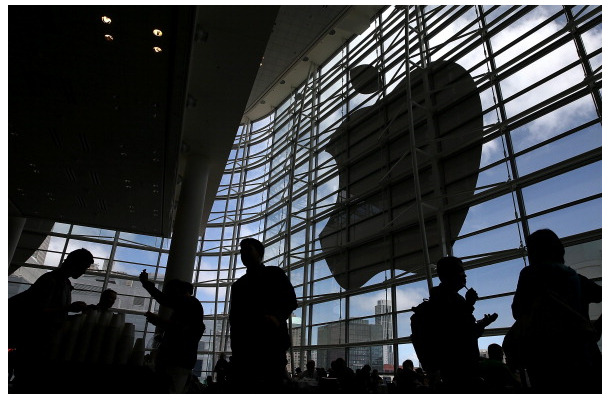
<point>439,130</point>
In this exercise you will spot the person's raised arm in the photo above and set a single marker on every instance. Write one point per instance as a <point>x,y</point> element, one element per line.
<point>150,287</point>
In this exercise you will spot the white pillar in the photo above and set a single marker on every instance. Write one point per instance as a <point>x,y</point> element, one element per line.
<point>188,219</point>
<point>15,227</point>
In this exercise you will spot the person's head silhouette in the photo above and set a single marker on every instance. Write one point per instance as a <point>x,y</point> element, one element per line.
<point>495,352</point>
<point>407,364</point>
<point>77,262</point>
<point>178,288</point>
<point>252,252</point>
<point>451,273</point>
<point>544,247</point>
<point>107,299</point>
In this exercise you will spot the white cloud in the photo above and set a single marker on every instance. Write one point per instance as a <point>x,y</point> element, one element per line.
<point>489,151</point>
<point>407,297</point>
<point>365,304</point>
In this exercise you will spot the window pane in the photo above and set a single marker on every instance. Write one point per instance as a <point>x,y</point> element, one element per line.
<point>329,311</point>
<point>570,221</point>
<point>562,189</point>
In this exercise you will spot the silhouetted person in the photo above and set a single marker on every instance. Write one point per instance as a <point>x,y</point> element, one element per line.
<point>261,302</point>
<point>177,352</point>
<point>376,381</point>
<point>221,368</point>
<point>407,380</point>
<point>568,358</point>
<point>310,371</point>
<point>345,376</point>
<point>107,299</point>
<point>37,314</point>
<point>363,379</point>
<point>497,376</point>
<point>458,329</point>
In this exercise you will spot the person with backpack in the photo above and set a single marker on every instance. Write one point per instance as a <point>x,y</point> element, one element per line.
<point>449,330</point>
<point>559,342</point>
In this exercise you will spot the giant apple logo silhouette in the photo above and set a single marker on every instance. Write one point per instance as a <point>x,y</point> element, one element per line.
<point>375,225</point>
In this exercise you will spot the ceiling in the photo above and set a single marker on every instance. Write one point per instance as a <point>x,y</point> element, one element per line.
<point>99,130</point>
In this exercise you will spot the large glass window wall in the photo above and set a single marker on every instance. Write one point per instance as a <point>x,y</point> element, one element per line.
<point>357,183</point>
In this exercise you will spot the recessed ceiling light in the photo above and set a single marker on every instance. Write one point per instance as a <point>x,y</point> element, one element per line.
<point>157,32</point>
<point>109,38</point>
<point>157,49</point>
<point>106,20</point>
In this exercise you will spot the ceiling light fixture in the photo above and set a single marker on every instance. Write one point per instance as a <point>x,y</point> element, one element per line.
<point>108,38</point>
<point>157,49</point>
<point>157,32</point>
<point>106,20</point>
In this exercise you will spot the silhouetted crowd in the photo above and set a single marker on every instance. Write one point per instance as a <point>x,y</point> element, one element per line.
<point>551,347</point>
<point>494,376</point>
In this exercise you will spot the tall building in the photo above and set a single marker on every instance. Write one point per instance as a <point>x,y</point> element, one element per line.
<point>383,317</point>
<point>295,335</point>
<point>360,331</point>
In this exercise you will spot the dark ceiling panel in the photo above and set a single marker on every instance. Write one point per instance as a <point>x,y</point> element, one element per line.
<point>88,117</point>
